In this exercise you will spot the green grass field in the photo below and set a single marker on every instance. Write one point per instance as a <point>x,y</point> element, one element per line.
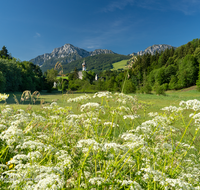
<point>157,102</point>
<point>100,141</point>
<point>152,102</point>
<point>120,65</point>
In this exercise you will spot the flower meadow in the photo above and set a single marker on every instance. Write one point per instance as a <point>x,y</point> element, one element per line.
<point>105,145</point>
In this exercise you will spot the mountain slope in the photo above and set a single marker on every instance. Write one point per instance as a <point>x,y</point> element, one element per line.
<point>65,54</point>
<point>95,63</point>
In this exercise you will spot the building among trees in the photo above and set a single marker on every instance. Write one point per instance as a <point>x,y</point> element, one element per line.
<point>83,66</point>
<point>80,74</point>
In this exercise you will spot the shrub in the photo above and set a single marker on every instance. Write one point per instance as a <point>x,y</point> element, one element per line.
<point>159,90</point>
<point>165,86</point>
<point>2,82</point>
<point>128,87</point>
<point>147,88</point>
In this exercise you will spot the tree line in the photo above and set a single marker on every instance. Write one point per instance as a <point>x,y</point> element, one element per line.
<point>19,76</point>
<point>171,69</point>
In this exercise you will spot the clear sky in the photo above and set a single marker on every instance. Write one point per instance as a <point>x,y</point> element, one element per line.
<point>29,28</point>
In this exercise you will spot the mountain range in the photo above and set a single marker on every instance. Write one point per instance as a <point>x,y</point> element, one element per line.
<point>69,53</point>
<point>152,49</point>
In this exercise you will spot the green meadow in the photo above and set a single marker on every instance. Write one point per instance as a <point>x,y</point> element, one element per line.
<point>157,102</point>
<point>120,65</point>
<point>100,140</point>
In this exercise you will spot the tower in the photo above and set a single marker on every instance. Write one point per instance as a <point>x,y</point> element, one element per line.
<point>83,66</point>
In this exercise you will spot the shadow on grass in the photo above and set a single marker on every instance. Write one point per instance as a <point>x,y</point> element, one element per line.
<point>44,98</point>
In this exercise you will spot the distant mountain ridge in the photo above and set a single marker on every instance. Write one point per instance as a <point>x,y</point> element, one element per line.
<point>67,54</point>
<point>152,49</point>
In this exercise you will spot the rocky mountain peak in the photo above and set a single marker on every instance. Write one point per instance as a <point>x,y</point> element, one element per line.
<point>68,51</point>
<point>157,47</point>
<point>101,51</point>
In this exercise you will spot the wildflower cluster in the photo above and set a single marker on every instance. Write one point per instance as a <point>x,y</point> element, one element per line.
<point>79,98</point>
<point>100,147</point>
<point>103,94</point>
<point>3,96</point>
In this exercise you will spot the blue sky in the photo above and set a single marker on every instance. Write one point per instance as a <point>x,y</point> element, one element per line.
<point>29,28</point>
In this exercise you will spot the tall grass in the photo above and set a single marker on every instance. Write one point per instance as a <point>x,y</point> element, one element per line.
<point>106,144</point>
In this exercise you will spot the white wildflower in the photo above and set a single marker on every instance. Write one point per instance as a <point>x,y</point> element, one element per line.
<point>191,104</point>
<point>153,114</point>
<point>90,105</point>
<point>12,135</point>
<point>103,94</point>
<point>2,127</point>
<point>131,116</point>
<point>96,180</point>
<point>3,96</point>
<point>108,146</point>
<point>79,99</point>
<point>110,124</point>
<point>54,117</point>
<point>172,109</point>
<point>34,156</point>
<point>86,143</point>
<point>53,104</point>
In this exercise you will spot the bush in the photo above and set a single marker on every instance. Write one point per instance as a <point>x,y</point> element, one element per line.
<point>173,83</point>
<point>2,82</point>
<point>147,88</point>
<point>75,84</point>
<point>159,90</point>
<point>165,86</point>
<point>128,87</point>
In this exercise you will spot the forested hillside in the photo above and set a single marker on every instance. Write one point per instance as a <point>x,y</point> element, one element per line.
<point>97,63</point>
<point>171,69</point>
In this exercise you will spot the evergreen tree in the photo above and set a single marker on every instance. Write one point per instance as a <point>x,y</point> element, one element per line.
<point>4,53</point>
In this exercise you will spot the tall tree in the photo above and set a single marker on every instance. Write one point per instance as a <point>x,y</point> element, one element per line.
<point>4,53</point>
<point>51,78</point>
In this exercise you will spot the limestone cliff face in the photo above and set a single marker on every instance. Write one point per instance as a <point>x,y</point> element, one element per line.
<point>101,51</point>
<point>69,53</point>
<point>152,49</point>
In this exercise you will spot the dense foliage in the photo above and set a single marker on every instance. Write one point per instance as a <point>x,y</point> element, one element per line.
<point>18,76</point>
<point>171,69</point>
<point>117,81</point>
